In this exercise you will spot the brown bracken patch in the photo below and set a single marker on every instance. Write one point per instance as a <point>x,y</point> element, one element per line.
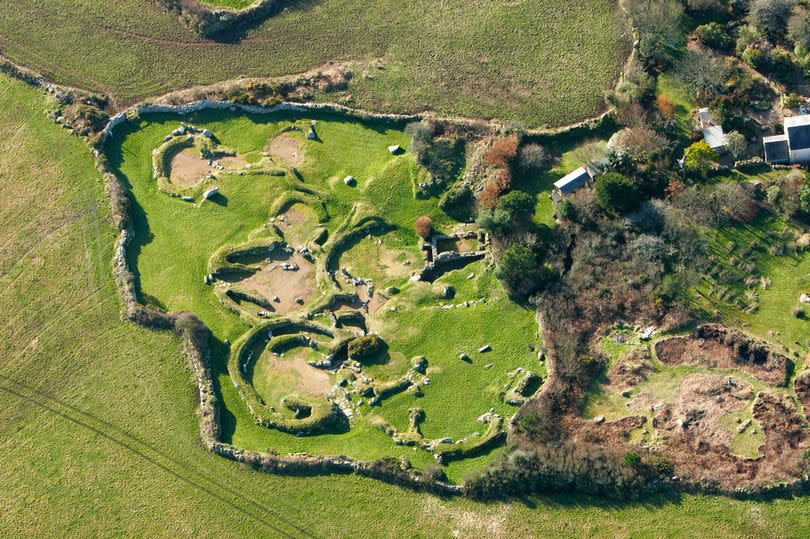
<point>717,347</point>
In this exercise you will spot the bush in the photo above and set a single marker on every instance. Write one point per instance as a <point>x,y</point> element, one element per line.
<point>640,143</point>
<point>457,203</point>
<point>665,106</point>
<point>632,459</point>
<point>755,57</point>
<point>532,157</point>
<point>503,152</point>
<point>364,347</point>
<point>714,36</point>
<point>737,202</point>
<point>616,193</point>
<point>424,226</point>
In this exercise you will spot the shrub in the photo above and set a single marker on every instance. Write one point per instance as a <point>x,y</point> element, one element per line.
<point>714,36</point>
<point>457,203</point>
<point>421,134</point>
<point>503,152</point>
<point>757,58</point>
<point>616,193</point>
<point>790,101</point>
<point>632,459</point>
<point>665,106</point>
<point>532,157</point>
<point>804,199</point>
<point>640,143</point>
<point>488,197</point>
<point>424,226</point>
<point>364,347</point>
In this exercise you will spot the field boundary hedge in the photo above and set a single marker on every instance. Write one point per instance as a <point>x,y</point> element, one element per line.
<point>210,21</point>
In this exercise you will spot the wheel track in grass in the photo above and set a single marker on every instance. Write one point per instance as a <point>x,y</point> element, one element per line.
<point>148,453</point>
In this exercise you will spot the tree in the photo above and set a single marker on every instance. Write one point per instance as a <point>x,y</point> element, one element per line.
<point>532,157</point>
<point>518,205</point>
<point>616,193</point>
<point>737,202</point>
<point>702,72</point>
<point>736,144</point>
<point>770,16</point>
<point>424,226</point>
<point>520,270</point>
<point>699,157</point>
<point>658,25</point>
<point>799,29</point>
<point>640,143</point>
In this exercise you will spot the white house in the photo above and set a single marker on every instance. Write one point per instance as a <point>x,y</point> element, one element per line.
<point>793,146</point>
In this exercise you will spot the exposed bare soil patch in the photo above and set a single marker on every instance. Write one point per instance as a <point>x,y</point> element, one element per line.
<point>273,281</point>
<point>188,168</point>
<point>286,148</point>
<point>630,371</point>
<point>717,347</point>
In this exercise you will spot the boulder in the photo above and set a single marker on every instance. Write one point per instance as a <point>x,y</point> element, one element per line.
<point>395,149</point>
<point>599,419</point>
<point>485,348</point>
<point>804,298</point>
<point>448,293</point>
<point>210,192</point>
<point>350,181</point>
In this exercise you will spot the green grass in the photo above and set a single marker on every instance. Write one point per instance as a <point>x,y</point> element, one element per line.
<point>174,241</point>
<point>63,337</point>
<point>789,277</point>
<point>534,62</point>
<point>678,95</point>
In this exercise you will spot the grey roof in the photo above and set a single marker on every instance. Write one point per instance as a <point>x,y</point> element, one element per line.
<point>573,181</point>
<point>776,149</point>
<point>714,137</point>
<point>797,129</point>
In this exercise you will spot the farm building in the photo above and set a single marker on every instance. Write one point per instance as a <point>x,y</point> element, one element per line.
<point>791,147</point>
<point>569,183</point>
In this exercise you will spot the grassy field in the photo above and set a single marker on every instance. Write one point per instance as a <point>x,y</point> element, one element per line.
<point>535,62</point>
<point>97,417</point>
